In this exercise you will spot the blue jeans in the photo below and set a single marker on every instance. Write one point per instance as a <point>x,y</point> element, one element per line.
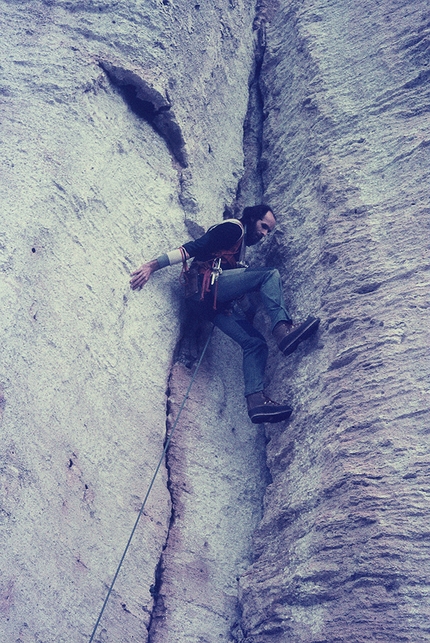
<point>232,284</point>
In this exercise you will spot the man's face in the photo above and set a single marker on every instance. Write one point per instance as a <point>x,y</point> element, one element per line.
<point>262,228</point>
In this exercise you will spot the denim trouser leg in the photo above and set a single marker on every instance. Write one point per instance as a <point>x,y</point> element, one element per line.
<point>232,284</point>
<point>253,345</point>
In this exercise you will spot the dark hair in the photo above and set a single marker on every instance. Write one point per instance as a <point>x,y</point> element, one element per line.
<point>254,213</point>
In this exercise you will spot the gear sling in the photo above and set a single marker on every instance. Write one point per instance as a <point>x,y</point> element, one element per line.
<point>209,271</point>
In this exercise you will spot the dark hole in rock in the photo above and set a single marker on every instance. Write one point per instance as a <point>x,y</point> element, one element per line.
<point>142,108</point>
<point>149,104</point>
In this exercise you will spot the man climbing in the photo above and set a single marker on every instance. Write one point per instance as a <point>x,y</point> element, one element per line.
<point>217,278</point>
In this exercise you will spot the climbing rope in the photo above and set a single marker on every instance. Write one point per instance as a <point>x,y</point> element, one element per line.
<point>163,455</point>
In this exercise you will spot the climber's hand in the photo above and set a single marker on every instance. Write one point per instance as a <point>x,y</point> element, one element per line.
<point>140,276</point>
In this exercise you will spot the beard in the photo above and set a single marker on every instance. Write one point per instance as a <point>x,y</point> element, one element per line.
<point>251,236</point>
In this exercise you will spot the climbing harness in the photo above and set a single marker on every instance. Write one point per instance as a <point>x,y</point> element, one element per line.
<point>211,270</point>
<point>163,455</point>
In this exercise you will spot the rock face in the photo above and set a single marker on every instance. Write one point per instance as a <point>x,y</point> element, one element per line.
<point>127,128</point>
<point>122,123</point>
<point>342,550</point>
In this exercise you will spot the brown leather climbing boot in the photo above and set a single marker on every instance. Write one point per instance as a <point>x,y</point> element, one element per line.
<point>288,336</point>
<point>263,409</point>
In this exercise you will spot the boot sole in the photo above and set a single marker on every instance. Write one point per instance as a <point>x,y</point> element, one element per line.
<point>289,344</point>
<point>262,414</point>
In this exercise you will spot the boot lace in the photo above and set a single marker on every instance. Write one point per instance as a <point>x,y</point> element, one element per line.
<point>268,401</point>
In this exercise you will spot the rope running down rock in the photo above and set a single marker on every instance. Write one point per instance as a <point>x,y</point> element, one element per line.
<point>151,484</point>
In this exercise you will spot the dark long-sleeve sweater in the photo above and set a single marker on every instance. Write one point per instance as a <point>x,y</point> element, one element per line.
<point>222,236</point>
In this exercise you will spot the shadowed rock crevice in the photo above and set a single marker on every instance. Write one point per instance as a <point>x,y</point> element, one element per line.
<point>250,188</point>
<point>159,607</point>
<point>149,104</point>
<point>184,489</point>
<point>194,333</point>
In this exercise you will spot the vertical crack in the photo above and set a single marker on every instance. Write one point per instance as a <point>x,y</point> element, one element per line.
<point>159,608</point>
<point>250,189</point>
<point>194,335</point>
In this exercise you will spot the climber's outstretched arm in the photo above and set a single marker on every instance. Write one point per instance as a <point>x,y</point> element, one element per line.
<point>141,276</point>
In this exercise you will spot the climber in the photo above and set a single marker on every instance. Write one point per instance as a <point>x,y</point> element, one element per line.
<point>218,278</point>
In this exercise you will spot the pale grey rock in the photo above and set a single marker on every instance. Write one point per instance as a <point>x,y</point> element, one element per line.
<point>88,191</point>
<point>335,136</point>
<point>341,552</point>
<point>217,478</point>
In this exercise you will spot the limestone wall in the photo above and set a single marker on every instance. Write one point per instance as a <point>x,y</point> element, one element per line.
<point>127,128</point>
<point>91,186</point>
<point>342,550</point>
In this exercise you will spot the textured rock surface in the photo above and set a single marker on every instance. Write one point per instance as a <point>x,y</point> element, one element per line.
<point>122,133</point>
<point>217,473</point>
<point>89,189</point>
<point>342,550</point>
